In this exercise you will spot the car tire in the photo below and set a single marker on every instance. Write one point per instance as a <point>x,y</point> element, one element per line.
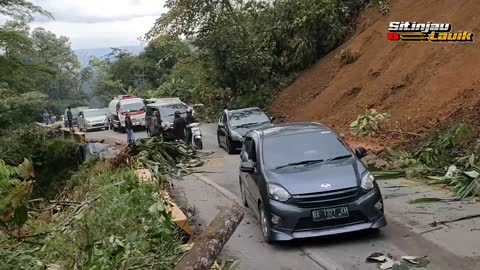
<point>229,146</point>
<point>265,225</point>
<point>218,141</point>
<point>243,194</point>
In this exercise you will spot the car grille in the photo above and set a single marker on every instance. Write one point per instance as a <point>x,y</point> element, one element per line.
<point>325,199</point>
<point>308,223</point>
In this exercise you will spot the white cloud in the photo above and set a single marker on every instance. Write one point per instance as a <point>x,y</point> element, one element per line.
<point>100,23</point>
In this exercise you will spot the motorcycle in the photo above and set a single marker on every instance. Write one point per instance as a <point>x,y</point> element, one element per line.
<point>196,135</point>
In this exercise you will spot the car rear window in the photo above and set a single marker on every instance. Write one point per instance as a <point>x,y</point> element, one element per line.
<point>282,150</point>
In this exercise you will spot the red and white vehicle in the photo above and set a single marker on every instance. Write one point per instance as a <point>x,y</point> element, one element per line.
<point>123,104</point>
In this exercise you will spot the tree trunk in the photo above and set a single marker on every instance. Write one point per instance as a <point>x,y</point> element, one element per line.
<point>209,245</point>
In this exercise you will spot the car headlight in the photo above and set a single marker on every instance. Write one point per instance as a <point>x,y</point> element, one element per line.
<point>236,136</point>
<point>278,193</point>
<point>368,181</point>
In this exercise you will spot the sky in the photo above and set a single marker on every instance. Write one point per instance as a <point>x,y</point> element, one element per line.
<point>100,23</point>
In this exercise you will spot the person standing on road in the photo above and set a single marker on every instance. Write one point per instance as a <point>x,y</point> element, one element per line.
<point>189,119</point>
<point>179,126</point>
<point>69,118</point>
<point>129,128</point>
<point>158,124</point>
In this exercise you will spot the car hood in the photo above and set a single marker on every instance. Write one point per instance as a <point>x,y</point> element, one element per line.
<point>96,118</point>
<point>242,131</point>
<point>307,179</point>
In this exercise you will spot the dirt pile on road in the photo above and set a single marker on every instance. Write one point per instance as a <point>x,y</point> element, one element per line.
<point>422,85</point>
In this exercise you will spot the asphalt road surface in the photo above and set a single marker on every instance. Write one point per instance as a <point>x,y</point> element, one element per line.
<point>347,251</point>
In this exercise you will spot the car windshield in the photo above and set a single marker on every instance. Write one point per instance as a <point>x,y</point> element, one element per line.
<point>302,148</point>
<point>93,113</point>
<point>132,106</point>
<point>168,110</point>
<point>247,117</point>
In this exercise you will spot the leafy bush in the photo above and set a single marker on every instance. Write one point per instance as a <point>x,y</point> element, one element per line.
<point>121,224</point>
<point>53,157</point>
<point>441,162</point>
<point>17,143</point>
<point>368,122</point>
<point>13,193</point>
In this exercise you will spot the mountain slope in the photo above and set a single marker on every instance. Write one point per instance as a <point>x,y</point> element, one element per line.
<point>420,84</point>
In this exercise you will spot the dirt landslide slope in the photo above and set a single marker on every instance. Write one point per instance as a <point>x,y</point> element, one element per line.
<point>422,85</point>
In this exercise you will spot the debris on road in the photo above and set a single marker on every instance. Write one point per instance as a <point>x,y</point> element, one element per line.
<point>443,222</point>
<point>429,200</point>
<point>386,262</point>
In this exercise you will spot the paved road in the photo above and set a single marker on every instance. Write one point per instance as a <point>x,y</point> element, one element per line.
<point>349,251</point>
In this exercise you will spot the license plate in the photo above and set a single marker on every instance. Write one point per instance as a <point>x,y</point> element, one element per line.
<point>330,213</point>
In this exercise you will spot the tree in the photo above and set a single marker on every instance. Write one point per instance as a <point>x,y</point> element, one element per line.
<point>255,47</point>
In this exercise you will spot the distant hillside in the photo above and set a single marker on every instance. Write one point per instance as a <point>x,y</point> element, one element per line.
<point>84,55</point>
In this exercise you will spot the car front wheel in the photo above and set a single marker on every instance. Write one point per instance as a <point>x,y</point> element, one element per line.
<point>265,225</point>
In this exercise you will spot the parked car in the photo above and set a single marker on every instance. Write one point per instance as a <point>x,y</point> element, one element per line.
<point>167,114</point>
<point>75,112</point>
<point>92,119</point>
<point>301,180</point>
<point>234,124</point>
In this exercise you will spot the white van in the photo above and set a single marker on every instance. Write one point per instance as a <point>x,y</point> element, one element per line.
<point>123,104</point>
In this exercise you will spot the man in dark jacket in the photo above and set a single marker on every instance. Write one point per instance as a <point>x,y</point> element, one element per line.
<point>179,126</point>
<point>69,118</point>
<point>189,119</point>
<point>129,128</point>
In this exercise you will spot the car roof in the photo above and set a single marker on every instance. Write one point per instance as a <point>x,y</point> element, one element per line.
<point>244,109</point>
<point>159,104</point>
<point>292,128</point>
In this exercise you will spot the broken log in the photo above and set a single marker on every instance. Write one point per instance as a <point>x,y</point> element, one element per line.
<point>208,246</point>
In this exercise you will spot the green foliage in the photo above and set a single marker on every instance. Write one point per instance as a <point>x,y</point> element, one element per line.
<point>17,143</point>
<point>54,162</point>
<point>18,8</point>
<point>122,225</point>
<point>11,259</point>
<point>52,156</point>
<point>441,162</point>
<point>236,53</point>
<point>14,192</point>
<point>18,109</point>
<point>36,62</point>
<point>368,122</point>
<point>382,6</point>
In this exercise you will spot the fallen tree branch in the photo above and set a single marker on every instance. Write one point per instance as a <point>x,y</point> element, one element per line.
<point>206,249</point>
<point>444,222</point>
<point>405,132</point>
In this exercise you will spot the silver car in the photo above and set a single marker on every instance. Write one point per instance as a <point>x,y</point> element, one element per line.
<point>92,119</point>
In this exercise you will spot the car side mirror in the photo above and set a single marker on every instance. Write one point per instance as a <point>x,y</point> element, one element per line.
<point>246,166</point>
<point>272,118</point>
<point>360,152</point>
<point>220,124</point>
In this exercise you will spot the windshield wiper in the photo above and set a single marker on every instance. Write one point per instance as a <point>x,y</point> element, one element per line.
<point>304,162</point>
<point>339,157</point>
<point>247,125</point>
